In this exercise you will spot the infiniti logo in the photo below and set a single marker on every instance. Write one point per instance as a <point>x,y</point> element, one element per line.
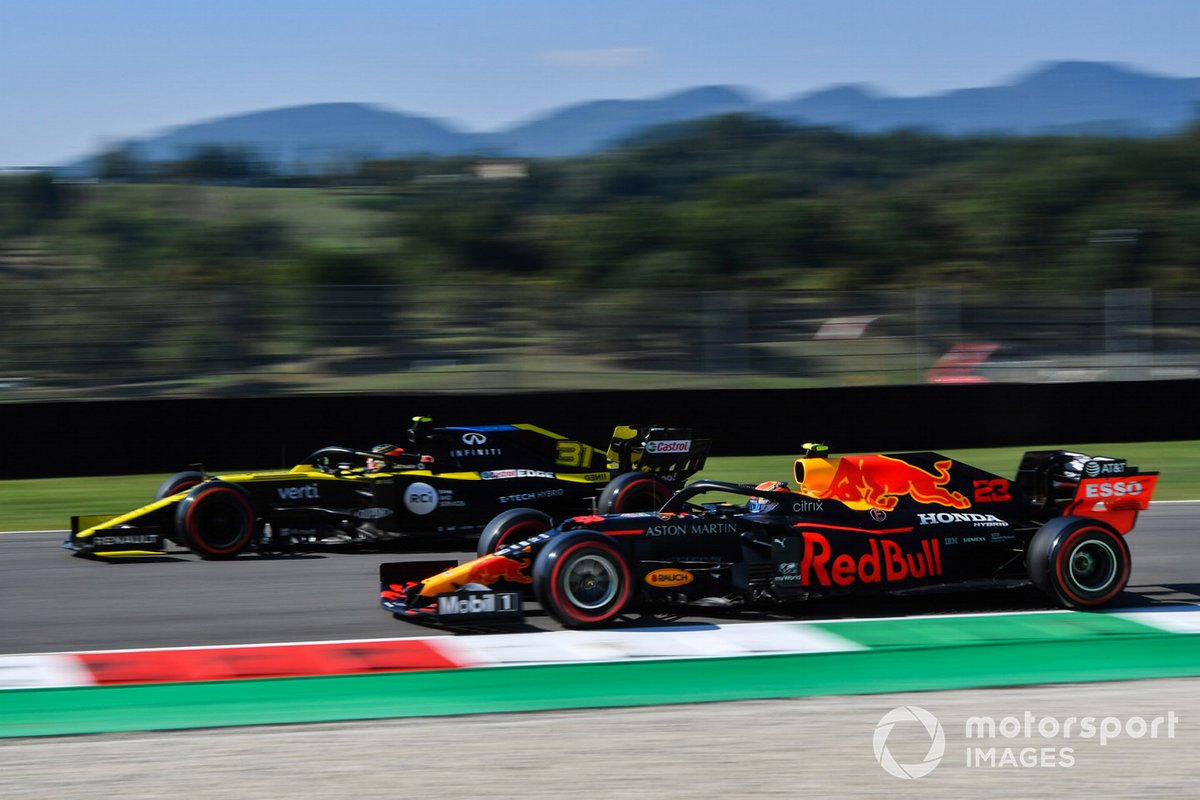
<point>474,439</point>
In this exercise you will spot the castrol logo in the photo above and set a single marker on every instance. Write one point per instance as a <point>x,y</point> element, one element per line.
<point>669,446</point>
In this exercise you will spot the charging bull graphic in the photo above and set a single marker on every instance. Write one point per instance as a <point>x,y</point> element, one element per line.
<point>875,481</point>
<point>496,568</point>
<point>486,571</point>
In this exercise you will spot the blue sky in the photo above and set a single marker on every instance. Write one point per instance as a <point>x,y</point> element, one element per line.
<point>76,75</point>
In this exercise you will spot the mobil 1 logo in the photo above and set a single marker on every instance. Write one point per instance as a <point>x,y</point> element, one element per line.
<point>479,604</point>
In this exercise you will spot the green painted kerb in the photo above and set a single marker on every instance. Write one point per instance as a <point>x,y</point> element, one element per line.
<point>990,629</point>
<point>47,712</point>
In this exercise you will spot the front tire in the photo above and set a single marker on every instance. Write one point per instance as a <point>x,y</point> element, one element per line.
<point>1079,562</point>
<point>633,491</point>
<point>582,580</point>
<point>216,520</point>
<point>179,482</point>
<point>511,527</point>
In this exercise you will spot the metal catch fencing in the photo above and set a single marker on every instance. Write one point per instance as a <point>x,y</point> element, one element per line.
<point>250,340</point>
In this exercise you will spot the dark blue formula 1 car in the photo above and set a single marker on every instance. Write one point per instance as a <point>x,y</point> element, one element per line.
<point>852,524</point>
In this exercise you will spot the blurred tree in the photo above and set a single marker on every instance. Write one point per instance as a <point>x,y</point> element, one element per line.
<point>29,201</point>
<point>121,163</point>
<point>217,163</point>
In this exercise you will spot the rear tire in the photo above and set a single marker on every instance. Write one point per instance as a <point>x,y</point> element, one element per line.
<point>1079,562</point>
<point>582,580</point>
<point>510,527</point>
<point>216,520</point>
<point>634,491</point>
<point>179,482</point>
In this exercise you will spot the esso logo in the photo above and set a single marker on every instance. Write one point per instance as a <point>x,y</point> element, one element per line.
<point>1113,488</point>
<point>420,498</point>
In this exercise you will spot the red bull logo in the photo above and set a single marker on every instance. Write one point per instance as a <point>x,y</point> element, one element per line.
<point>489,570</point>
<point>875,481</point>
<point>884,562</point>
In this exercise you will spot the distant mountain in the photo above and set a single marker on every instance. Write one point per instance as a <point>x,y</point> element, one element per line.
<point>313,134</point>
<point>1056,98</point>
<point>1061,97</point>
<point>588,127</point>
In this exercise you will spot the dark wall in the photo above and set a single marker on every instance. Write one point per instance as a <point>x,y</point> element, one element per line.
<point>121,437</point>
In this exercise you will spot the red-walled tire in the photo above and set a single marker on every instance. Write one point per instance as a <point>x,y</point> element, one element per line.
<point>511,527</point>
<point>216,520</point>
<point>633,491</point>
<point>179,482</point>
<point>582,580</point>
<point>1079,562</point>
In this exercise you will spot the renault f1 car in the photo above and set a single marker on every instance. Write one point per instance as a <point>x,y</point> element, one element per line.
<point>449,480</point>
<point>852,524</point>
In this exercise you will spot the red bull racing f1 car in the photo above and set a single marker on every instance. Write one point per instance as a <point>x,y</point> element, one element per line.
<point>448,480</point>
<point>851,524</point>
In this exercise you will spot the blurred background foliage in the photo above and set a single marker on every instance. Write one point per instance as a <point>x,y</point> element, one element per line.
<point>216,259</point>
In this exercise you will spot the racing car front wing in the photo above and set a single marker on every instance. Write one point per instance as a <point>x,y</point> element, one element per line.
<point>400,593</point>
<point>126,540</point>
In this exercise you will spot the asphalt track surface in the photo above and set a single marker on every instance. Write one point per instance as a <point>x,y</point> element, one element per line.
<point>56,602</point>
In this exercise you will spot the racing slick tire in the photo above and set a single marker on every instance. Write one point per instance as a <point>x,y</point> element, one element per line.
<point>582,580</point>
<point>216,520</point>
<point>510,527</point>
<point>1077,561</point>
<point>633,491</point>
<point>179,482</point>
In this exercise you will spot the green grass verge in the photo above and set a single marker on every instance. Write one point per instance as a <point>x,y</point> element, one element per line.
<point>47,504</point>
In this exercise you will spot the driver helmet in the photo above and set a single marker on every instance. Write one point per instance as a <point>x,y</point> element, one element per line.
<point>761,504</point>
<point>389,450</point>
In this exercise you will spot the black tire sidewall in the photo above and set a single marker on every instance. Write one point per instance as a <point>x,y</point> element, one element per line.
<point>503,526</point>
<point>1051,547</point>
<point>558,557</point>
<point>202,498</point>
<point>180,481</point>
<point>626,492</point>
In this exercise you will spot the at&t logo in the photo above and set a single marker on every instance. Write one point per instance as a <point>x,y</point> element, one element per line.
<point>932,729</point>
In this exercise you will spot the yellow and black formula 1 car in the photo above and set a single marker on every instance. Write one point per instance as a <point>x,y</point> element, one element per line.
<point>443,481</point>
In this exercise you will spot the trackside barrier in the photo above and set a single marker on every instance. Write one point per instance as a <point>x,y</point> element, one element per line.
<point>61,439</point>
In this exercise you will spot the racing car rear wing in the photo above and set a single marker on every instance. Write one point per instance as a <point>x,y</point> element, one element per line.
<point>670,452</point>
<point>1062,482</point>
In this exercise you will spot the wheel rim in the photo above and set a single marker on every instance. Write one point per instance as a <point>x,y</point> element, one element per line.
<point>590,582</point>
<point>1092,566</point>
<point>220,525</point>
